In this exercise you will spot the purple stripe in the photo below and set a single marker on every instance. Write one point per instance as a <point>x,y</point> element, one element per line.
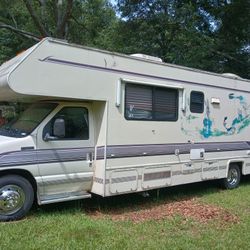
<point>100,153</point>
<point>42,156</point>
<point>79,154</point>
<point>118,71</point>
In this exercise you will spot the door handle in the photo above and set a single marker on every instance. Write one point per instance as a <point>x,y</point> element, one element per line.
<point>89,158</point>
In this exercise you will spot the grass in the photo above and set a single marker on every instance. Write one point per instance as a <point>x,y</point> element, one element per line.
<point>68,226</point>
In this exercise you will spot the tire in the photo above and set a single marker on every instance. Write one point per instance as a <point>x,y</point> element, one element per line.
<point>16,197</point>
<point>233,177</point>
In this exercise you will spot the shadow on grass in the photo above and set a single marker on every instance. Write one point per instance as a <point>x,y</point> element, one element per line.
<point>135,201</point>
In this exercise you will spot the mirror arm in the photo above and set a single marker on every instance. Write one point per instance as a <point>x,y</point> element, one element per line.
<point>48,137</point>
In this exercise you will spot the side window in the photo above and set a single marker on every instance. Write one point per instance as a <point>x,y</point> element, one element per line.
<point>165,104</point>
<point>196,102</point>
<point>76,123</point>
<point>151,103</point>
<point>139,102</point>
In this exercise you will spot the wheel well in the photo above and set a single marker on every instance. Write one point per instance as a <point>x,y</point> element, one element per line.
<point>238,163</point>
<point>21,172</point>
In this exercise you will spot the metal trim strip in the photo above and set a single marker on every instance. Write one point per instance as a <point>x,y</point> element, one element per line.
<point>66,180</point>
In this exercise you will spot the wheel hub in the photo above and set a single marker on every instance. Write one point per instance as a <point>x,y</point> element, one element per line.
<point>232,176</point>
<point>12,199</point>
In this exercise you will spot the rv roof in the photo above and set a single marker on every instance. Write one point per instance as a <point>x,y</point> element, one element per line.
<point>54,69</point>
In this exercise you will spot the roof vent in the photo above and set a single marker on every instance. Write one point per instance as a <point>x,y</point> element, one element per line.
<point>231,75</point>
<point>147,57</point>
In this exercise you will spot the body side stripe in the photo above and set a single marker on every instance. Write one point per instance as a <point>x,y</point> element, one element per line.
<point>119,71</point>
<point>17,158</point>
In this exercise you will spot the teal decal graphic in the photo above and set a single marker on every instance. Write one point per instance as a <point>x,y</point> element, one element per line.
<point>227,126</point>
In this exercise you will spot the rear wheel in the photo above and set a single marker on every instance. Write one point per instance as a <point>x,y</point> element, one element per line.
<point>16,197</point>
<point>233,177</point>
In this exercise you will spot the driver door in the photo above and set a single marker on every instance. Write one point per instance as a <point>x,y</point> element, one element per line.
<point>65,163</point>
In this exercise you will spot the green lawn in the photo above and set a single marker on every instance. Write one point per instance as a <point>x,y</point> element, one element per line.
<point>70,226</point>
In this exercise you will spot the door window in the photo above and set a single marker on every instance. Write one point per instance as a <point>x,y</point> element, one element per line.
<point>76,123</point>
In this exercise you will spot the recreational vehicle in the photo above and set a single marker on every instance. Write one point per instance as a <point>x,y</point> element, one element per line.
<point>108,124</point>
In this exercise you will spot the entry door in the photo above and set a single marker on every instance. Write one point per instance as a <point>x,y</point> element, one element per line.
<point>65,164</point>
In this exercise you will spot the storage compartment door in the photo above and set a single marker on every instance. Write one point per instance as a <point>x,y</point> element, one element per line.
<point>123,181</point>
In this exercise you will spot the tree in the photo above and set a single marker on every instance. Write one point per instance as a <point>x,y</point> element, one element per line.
<point>43,17</point>
<point>79,21</point>
<point>233,35</point>
<point>168,29</point>
<point>191,33</point>
<point>92,22</point>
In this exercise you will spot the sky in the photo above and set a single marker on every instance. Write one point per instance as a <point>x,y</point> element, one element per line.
<point>113,1</point>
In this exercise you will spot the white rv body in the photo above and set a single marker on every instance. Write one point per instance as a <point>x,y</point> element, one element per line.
<point>122,154</point>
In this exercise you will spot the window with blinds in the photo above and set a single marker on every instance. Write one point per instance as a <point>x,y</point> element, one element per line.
<point>151,103</point>
<point>196,102</point>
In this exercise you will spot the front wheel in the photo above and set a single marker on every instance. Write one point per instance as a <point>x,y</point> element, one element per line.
<point>16,197</point>
<point>233,177</point>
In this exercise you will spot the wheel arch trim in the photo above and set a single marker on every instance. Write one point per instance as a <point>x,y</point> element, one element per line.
<point>240,162</point>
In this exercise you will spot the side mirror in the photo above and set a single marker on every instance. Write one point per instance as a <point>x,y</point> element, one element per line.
<point>59,128</point>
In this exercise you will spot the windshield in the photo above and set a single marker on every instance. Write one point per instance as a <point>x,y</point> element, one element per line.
<point>27,121</point>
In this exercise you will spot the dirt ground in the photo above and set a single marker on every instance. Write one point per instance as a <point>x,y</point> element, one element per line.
<point>187,208</point>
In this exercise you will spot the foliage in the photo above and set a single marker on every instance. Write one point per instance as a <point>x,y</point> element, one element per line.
<point>23,23</point>
<point>92,22</point>
<point>210,35</point>
<point>234,37</point>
